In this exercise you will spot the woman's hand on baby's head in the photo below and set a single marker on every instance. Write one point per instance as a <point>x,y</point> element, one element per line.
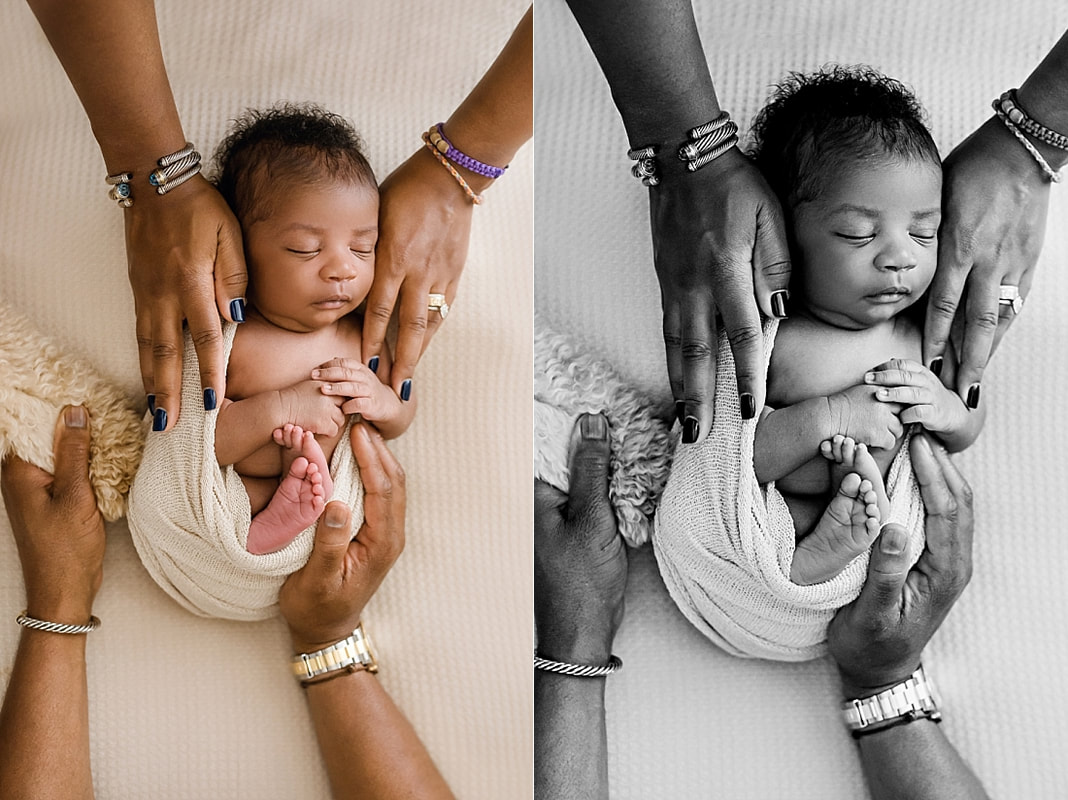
<point>924,398</point>
<point>306,405</point>
<point>857,414</point>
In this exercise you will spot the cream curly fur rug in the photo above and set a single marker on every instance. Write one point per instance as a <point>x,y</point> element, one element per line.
<point>569,382</point>
<point>36,380</point>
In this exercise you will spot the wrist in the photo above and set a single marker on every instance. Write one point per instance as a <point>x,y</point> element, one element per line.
<point>590,645</point>
<point>865,684</point>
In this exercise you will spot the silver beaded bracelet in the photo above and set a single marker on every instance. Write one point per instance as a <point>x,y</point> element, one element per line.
<point>56,627</point>
<point>578,670</point>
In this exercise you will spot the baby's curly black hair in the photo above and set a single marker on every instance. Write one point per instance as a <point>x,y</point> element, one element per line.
<point>289,143</point>
<point>818,123</point>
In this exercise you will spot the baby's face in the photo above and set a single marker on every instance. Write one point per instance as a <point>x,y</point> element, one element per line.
<point>313,259</point>
<point>867,247</point>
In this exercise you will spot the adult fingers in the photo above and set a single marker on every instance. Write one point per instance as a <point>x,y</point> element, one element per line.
<point>434,316</point>
<point>332,537</point>
<point>771,261</point>
<point>71,449</point>
<point>206,332</point>
<point>166,365</point>
<point>378,308</point>
<point>673,349</point>
<point>944,299</point>
<point>698,348</point>
<point>948,500</point>
<point>384,490</point>
<point>411,332</point>
<point>144,351</point>
<point>980,325</point>
<point>888,569</point>
<point>741,320</point>
<point>588,466</point>
<point>231,277</point>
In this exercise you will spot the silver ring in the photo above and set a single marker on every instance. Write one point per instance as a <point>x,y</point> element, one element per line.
<point>1010,296</point>
<point>436,302</point>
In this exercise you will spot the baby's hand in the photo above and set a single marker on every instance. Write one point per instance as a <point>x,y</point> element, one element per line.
<point>857,414</point>
<point>304,404</point>
<point>926,401</point>
<point>359,390</point>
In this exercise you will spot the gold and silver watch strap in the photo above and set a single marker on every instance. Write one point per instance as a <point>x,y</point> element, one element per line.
<point>911,699</point>
<point>350,654</point>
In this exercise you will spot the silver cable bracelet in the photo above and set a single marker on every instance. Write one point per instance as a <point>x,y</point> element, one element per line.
<point>578,670</point>
<point>706,143</point>
<point>56,627</point>
<point>172,171</point>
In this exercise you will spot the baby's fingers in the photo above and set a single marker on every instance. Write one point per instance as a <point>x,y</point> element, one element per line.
<point>904,395</point>
<point>338,369</point>
<point>346,389</point>
<point>898,372</point>
<point>924,415</point>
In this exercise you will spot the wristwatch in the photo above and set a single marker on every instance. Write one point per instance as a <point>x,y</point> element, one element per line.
<point>913,698</point>
<point>351,654</point>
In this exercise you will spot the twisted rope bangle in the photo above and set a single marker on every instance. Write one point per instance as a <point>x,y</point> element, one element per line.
<point>56,627</point>
<point>578,670</point>
<point>172,171</point>
<point>1008,105</point>
<point>645,170</point>
<point>447,149</point>
<point>1053,175</point>
<point>709,141</point>
<point>475,198</point>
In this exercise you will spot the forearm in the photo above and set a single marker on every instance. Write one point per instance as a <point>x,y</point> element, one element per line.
<point>44,723</point>
<point>110,50</point>
<point>570,739</point>
<point>243,427</point>
<point>789,437</point>
<point>916,761</point>
<point>651,55</point>
<point>1044,95</point>
<point>369,748</point>
<point>497,117</point>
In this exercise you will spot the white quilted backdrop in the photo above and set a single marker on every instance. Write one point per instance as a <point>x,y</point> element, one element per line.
<point>685,720</point>
<point>188,708</point>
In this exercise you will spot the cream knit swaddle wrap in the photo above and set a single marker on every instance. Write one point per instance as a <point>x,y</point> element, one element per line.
<point>189,517</point>
<point>725,544</point>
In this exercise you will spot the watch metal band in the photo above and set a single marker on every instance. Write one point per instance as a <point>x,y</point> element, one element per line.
<point>353,653</point>
<point>912,698</point>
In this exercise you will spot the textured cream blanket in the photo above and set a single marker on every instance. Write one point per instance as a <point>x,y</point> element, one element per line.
<point>725,543</point>
<point>189,517</point>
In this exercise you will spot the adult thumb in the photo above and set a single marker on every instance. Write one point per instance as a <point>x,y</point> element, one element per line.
<point>588,465</point>
<point>888,567</point>
<point>332,538</point>
<point>70,450</point>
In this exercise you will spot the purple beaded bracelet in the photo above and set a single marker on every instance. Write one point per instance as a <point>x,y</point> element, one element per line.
<point>444,146</point>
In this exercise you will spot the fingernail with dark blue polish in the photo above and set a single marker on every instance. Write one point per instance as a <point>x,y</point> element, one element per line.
<point>209,400</point>
<point>159,419</point>
<point>373,364</point>
<point>406,390</point>
<point>680,412</point>
<point>151,404</point>
<point>778,303</point>
<point>690,430</point>
<point>237,310</point>
<point>748,404</point>
<point>973,396</point>
<point>936,366</point>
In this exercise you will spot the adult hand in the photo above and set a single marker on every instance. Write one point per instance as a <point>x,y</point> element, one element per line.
<point>58,529</point>
<point>322,602</point>
<point>718,234</point>
<point>424,229</point>
<point>877,639</point>
<point>994,201</point>
<point>580,563</point>
<point>186,263</point>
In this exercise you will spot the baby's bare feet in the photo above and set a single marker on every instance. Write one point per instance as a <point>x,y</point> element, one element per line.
<point>296,442</point>
<point>851,522</point>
